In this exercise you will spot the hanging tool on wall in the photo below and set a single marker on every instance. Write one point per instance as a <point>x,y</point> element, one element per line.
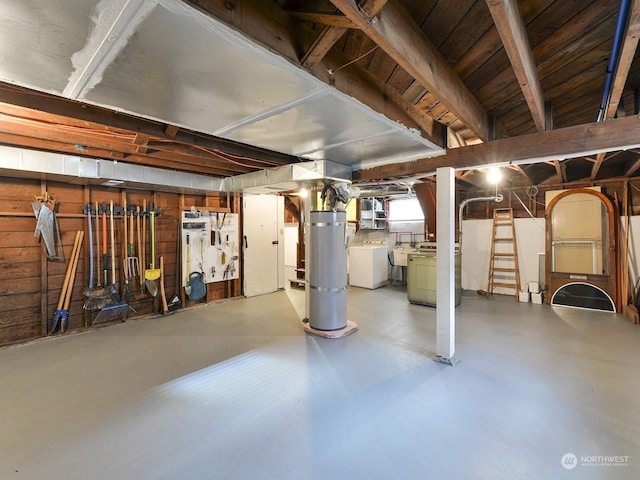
<point>187,287</point>
<point>88,209</point>
<point>130,264</point>
<point>61,316</point>
<point>116,308</point>
<point>174,302</point>
<point>140,251</point>
<point>165,307</point>
<point>100,296</point>
<point>125,263</point>
<point>152,274</point>
<point>47,226</point>
<point>98,269</point>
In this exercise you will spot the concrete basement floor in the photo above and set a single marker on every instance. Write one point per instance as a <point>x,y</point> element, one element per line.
<point>237,390</point>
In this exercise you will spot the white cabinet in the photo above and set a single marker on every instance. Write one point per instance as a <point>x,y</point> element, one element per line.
<point>368,266</point>
<point>372,215</point>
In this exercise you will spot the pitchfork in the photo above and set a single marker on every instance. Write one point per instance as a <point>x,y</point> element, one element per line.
<point>131,263</point>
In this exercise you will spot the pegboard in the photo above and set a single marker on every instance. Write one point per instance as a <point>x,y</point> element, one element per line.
<point>212,245</point>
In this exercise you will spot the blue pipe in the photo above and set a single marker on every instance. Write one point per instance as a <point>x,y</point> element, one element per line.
<point>621,25</point>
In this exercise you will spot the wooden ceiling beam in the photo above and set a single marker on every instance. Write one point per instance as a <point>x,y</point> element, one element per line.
<point>569,142</point>
<point>82,142</point>
<point>395,32</point>
<point>524,173</point>
<point>321,46</point>
<point>327,19</point>
<point>110,119</point>
<point>627,54</point>
<point>381,97</point>
<point>561,170</point>
<point>633,168</point>
<point>508,21</point>
<point>332,33</point>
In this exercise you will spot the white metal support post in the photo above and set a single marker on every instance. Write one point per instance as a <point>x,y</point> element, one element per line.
<point>445,299</point>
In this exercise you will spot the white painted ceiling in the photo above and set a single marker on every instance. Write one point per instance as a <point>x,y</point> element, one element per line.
<point>163,60</point>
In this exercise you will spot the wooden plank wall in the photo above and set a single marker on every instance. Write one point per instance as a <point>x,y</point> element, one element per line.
<point>30,284</point>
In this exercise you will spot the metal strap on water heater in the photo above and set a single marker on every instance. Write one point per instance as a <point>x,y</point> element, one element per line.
<point>328,289</point>
<point>328,224</point>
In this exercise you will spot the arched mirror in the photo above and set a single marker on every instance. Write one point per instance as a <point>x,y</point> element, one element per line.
<point>581,250</point>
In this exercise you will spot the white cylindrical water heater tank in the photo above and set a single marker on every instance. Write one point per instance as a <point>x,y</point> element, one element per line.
<point>328,275</point>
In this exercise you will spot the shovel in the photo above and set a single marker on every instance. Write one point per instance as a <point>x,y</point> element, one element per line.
<point>152,274</point>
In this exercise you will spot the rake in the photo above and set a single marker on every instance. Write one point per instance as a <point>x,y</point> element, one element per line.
<point>101,295</point>
<point>116,308</point>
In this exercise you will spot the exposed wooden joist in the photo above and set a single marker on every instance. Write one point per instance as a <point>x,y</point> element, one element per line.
<point>321,45</point>
<point>524,173</point>
<point>111,146</point>
<point>398,35</point>
<point>508,21</point>
<point>566,142</point>
<point>141,140</point>
<point>561,170</point>
<point>383,98</point>
<point>327,19</point>
<point>13,95</point>
<point>171,131</point>
<point>333,32</point>
<point>633,168</point>
<point>627,53</point>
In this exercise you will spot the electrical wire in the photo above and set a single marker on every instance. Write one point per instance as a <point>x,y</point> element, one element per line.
<point>354,60</point>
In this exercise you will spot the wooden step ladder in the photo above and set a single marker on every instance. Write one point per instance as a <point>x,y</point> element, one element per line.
<point>503,264</point>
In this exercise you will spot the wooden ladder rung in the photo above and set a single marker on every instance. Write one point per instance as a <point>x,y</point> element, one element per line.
<point>503,218</point>
<point>503,284</point>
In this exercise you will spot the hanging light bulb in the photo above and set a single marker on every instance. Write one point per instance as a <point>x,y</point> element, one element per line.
<point>494,175</point>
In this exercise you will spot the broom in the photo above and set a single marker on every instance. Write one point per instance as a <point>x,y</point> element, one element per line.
<point>100,297</point>
<point>116,308</point>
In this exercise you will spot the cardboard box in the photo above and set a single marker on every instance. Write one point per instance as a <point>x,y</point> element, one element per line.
<point>536,298</point>
<point>523,296</point>
<point>534,287</point>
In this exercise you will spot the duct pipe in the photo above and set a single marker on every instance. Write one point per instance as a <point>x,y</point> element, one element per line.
<point>497,198</point>
<point>621,25</point>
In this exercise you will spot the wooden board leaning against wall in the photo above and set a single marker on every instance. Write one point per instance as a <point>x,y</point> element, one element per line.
<point>30,284</point>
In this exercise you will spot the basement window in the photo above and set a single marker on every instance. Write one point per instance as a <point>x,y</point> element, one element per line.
<point>405,215</point>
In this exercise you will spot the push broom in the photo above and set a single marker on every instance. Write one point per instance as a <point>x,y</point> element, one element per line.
<point>116,308</point>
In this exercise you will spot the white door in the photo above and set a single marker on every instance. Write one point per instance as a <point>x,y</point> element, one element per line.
<point>261,244</point>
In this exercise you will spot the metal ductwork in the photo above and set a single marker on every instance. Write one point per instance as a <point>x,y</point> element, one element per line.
<point>23,163</point>
<point>18,162</point>
<point>314,173</point>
